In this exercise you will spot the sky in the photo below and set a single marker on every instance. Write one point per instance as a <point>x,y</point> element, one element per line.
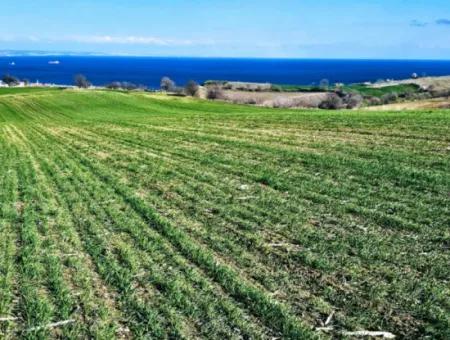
<point>387,29</point>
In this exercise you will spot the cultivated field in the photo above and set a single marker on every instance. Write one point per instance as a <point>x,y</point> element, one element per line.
<point>148,216</point>
<point>436,103</point>
<point>274,99</point>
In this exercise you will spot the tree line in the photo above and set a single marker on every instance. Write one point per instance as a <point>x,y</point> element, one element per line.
<point>167,85</point>
<point>191,88</point>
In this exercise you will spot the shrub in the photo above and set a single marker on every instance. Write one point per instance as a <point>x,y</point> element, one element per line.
<point>129,86</point>
<point>227,86</point>
<point>389,98</point>
<point>248,87</point>
<point>10,80</point>
<point>341,93</point>
<point>373,101</point>
<point>191,88</point>
<point>215,82</point>
<point>178,91</point>
<point>332,102</point>
<point>438,93</point>
<point>125,85</point>
<point>81,81</point>
<point>167,84</point>
<point>214,92</point>
<point>276,88</point>
<point>419,96</point>
<point>115,85</point>
<point>354,100</point>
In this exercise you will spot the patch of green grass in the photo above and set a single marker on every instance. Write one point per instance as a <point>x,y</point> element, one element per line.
<point>298,88</point>
<point>381,91</point>
<point>143,215</point>
<point>25,90</point>
<point>359,88</point>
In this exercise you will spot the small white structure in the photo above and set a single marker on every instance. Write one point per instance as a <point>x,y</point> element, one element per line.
<point>2,84</point>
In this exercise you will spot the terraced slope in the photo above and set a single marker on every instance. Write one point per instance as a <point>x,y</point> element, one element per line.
<point>130,215</point>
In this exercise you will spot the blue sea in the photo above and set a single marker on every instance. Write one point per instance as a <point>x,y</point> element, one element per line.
<point>149,70</point>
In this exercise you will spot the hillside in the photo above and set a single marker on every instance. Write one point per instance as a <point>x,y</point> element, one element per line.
<point>438,83</point>
<point>135,215</point>
<point>430,104</point>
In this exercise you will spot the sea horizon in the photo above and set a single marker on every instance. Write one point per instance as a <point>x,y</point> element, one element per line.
<point>41,53</point>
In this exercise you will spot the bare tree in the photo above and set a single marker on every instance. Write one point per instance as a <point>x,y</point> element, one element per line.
<point>81,81</point>
<point>354,100</point>
<point>10,80</point>
<point>191,88</point>
<point>167,84</point>
<point>333,102</point>
<point>389,98</point>
<point>324,84</point>
<point>215,92</point>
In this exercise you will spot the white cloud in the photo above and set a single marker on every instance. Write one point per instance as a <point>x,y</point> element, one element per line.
<point>13,38</point>
<point>108,39</point>
<point>128,40</point>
